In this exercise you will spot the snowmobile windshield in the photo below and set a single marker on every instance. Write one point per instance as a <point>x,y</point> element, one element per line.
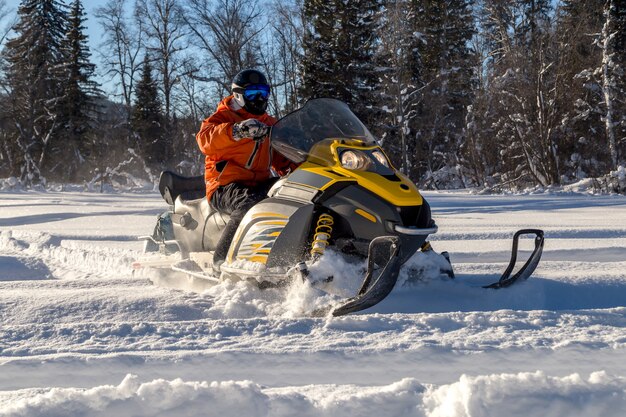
<point>324,118</point>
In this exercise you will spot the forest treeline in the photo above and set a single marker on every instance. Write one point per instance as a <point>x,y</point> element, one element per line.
<point>486,93</point>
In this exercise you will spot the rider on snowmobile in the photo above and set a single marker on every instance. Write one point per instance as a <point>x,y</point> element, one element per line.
<point>240,165</point>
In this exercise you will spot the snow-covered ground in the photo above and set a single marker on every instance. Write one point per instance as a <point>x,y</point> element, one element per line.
<point>81,335</point>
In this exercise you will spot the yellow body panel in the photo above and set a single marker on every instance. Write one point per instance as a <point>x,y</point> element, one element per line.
<point>398,193</point>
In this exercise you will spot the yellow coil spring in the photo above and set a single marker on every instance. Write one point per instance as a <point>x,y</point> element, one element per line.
<point>322,235</point>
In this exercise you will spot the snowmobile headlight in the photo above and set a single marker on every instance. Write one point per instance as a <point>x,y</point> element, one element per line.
<point>380,157</point>
<point>355,160</point>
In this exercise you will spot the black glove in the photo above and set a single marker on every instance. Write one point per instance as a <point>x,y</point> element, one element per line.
<point>251,128</point>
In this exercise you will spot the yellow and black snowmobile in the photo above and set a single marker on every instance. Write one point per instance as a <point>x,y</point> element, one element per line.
<point>345,196</point>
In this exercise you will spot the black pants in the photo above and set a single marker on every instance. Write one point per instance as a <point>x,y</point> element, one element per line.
<point>235,199</point>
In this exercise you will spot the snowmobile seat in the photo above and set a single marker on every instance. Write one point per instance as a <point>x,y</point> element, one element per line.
<point>171,185</point>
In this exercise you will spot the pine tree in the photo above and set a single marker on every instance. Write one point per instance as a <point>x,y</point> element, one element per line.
<point>355,48</point>
<point>34,60</point>
<point>81,91</point>
<point>401,86</point>
<point>582,146</point>
<point>147,119</point>
<point>593,43</point>
<point>339,51</point>
<point>448,76</point>
<point>318,61</point>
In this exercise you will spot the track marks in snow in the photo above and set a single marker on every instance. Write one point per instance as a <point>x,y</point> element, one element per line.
<point>375,334</point>
<point>61,258</point>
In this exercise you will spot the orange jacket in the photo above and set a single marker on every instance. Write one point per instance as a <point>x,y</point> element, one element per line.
<point>227,160</point>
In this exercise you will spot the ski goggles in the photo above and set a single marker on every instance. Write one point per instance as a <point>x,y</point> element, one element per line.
<point>254,91</point>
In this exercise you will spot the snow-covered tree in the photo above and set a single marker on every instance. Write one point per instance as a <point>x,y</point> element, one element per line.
<point>147,119</point>
<point>401,86</point>
<point>34,61</point>
<point>355,48</point>
<point>582,147</point>
<point>79,104</point>
<point>448,76</point>
<point>318,59</point>
<point>523,85</point>
<point>613,74</point>
<point>479,155</point>
<point>339,53</point>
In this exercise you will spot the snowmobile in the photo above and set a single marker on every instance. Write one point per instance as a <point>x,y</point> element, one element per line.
<point>345,195</point>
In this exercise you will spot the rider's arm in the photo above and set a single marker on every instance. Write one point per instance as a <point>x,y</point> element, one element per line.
<point>216,133</point>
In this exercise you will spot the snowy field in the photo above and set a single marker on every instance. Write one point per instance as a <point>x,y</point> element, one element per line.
<point>81,335</point>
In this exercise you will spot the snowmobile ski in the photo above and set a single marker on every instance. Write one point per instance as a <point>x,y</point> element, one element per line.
<point>373,291</point>
<point>506,279</point>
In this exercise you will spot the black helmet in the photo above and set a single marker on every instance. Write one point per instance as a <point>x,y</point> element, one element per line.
<point>251,91</point>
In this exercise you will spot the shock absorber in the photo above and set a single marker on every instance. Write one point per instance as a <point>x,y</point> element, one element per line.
<point>323,231</point>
